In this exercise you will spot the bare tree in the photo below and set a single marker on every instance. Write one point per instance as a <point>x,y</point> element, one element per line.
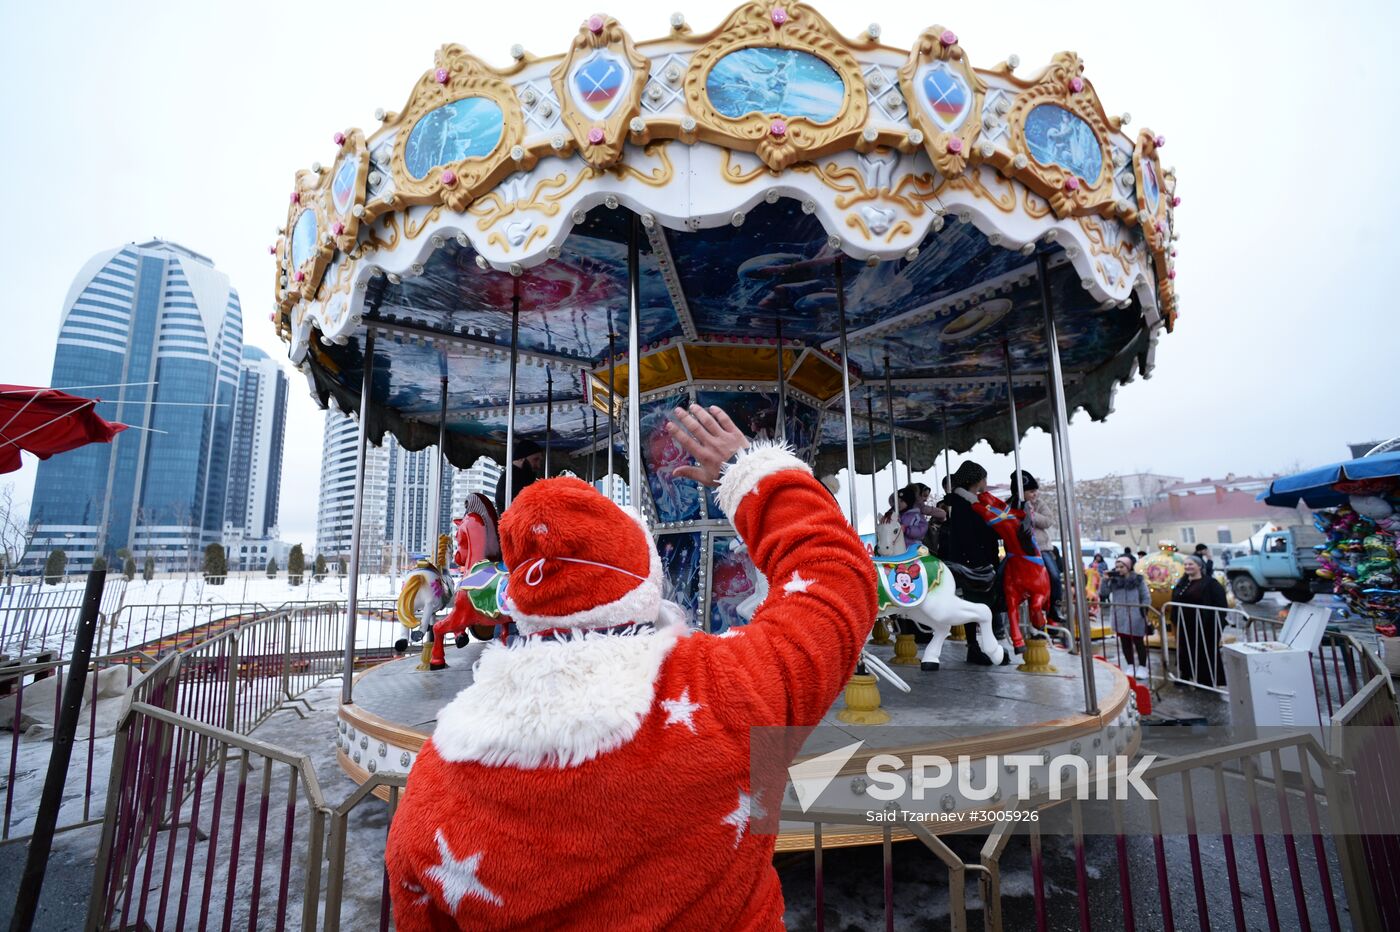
<point>16,530</point>
<point>1100,501</point>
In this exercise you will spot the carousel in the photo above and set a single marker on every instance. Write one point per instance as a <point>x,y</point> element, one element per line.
<point>879,255</point>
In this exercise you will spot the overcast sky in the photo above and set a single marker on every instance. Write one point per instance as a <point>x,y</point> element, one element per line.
<point>188,121</point>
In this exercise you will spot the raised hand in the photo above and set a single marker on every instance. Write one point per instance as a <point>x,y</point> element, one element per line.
<point>709,436</point>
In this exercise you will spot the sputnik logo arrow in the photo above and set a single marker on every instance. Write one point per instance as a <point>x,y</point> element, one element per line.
<point>811,777</point>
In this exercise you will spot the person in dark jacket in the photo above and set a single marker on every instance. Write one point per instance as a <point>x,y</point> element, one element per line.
<point>527,467</point>
<point>1203,552</point>
<point>1198,628</point>
<point>965,540</point>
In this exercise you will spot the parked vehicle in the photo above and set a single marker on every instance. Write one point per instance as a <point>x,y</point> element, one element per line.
<point>1284,561</point>
<point>1088,548</point>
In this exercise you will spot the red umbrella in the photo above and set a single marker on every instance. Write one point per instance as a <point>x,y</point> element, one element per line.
<point>46,421</point>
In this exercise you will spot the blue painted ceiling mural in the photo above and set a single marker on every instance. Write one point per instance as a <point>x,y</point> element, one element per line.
<point>737,282</point>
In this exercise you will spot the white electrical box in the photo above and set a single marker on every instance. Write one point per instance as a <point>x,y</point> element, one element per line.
<point>1271,690</point>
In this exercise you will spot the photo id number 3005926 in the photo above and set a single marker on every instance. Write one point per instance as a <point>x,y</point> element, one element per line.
<point>1002,815</point>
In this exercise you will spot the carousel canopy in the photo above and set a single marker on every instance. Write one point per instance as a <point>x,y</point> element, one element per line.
<point>764,173</point>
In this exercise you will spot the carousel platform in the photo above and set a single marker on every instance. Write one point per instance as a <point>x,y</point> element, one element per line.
<point>980,712</point>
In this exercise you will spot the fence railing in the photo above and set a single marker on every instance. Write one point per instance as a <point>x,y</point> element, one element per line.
<point>233,673</point>
<point>242,827</point>
<point>208,827</point>
<point>37,619</point>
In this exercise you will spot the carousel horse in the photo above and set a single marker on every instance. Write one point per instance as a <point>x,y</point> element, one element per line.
<point>750,605</point>
<point>914,586</point>
<point>426,591</point>
<point>920,587</point>
<point>1024,579</point>
<point>477,606</point>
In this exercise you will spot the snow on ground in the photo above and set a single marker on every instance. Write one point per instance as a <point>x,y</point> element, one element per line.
<point>248,588</point>
<point>36,619</point>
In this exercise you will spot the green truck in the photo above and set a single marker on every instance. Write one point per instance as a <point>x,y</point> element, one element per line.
<point>1286,562</point>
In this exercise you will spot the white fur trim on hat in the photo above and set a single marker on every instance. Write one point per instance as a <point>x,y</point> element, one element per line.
<point>762,458</point>
<point>554,703</point>
<point>642,603</point>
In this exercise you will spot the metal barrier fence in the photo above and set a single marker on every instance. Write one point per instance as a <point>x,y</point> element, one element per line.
<point>1367,745</point>
<point>1230,807</point>
<point>210,828</point>
<point>241,827</point>
<point>36,619</point>
<point>1191,656</point>
<point>235,671</point>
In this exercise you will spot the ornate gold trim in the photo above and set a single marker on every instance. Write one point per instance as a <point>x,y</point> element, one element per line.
<point>779,139</point>
<point>457,74</point>
<point>656,177</point>
<point>352,146</point>
<point>311,192</point>
<point>1157,227</point>
<point>949,150</point>
<point>1145,151</point>
<point>1061,84</point>
<point>1096,232</point>
<point>734,173</point>
<point>600,143</point>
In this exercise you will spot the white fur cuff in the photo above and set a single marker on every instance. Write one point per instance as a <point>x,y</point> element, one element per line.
<point>762,458</point>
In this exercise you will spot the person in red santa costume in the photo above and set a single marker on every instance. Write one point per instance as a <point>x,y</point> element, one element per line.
<point>596,773</point>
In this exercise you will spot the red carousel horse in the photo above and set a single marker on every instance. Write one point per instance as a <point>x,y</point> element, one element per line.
<point>474,608</point>
<point>1024,579</point>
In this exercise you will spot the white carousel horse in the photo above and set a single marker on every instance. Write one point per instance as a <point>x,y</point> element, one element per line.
<point>921,588</point>
<point>934,608</point>
<point>427,590</point>
<point>750,605</point>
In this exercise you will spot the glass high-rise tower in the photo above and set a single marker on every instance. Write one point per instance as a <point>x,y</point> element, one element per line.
<point>157,332</point>
<point>255,468</point>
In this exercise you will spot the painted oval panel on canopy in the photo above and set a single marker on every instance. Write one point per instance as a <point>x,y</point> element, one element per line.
<point>303,238</point>
<point>343,185</point>
<point>947,96</point>
<point>469,128</point>
<point>775,81</point>
<point>1151,186</point>
<point>1057,137</point>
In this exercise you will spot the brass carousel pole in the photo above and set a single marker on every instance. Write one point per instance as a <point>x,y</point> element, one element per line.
<point>870,423</point>
<point>1015,430</point>
<point>357,525</point>
<point>593,451</point>
<point>846,389</point>
<point>947,469</point>
<point>510,410</point>
<point>634,359</point>
<point>440,464</point>
<point>862,695</point>
<point>548,415</point>
<point>612,398</point>
<point>880,634</point>
<point>782,382</point>
<point>894,441</point>
<point>1073,573</point>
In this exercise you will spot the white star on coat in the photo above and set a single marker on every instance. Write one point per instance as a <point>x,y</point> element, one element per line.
<point>681,711</point>
<point>457,877</point>
<point>796,583</point>
<point>749,807</point>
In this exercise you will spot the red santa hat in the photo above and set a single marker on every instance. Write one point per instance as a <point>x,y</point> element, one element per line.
<point>577,560</point>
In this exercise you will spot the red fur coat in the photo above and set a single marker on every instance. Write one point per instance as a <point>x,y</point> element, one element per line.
<point>603,782</point>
